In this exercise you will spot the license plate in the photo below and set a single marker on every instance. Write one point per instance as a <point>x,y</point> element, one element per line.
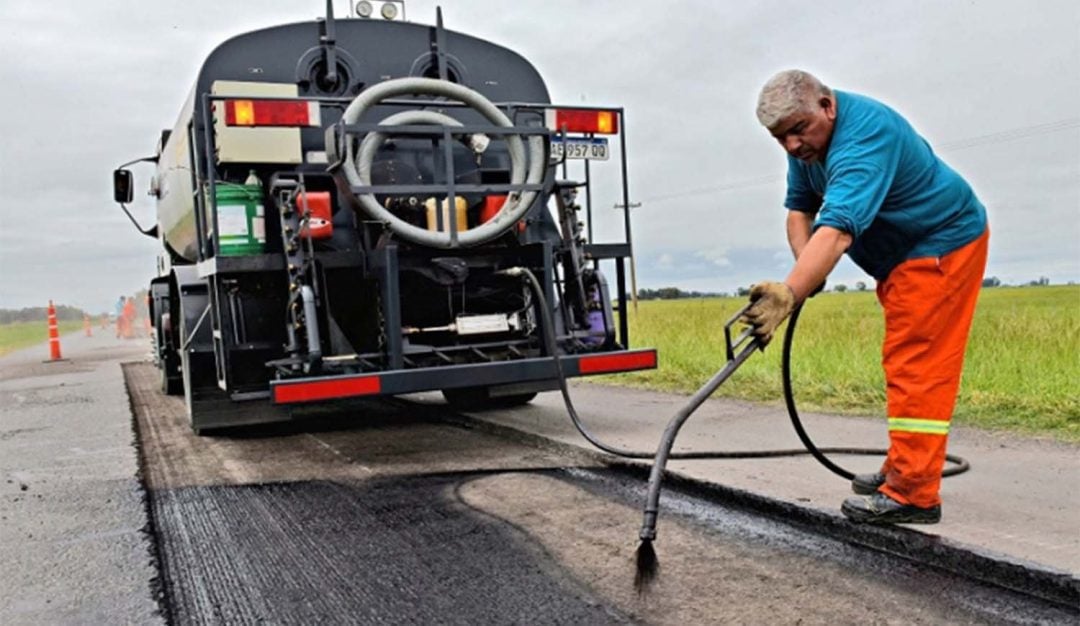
<point>595,148</point>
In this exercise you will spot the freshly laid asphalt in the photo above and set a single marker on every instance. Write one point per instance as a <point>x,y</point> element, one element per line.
<point>74,546</point>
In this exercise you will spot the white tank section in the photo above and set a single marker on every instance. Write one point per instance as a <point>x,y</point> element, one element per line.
<point>176,198</point>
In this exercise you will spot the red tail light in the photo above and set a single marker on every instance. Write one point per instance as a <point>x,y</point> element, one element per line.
<point>583,121</point>
<point>626,361</point>
<point>326,389</point>
<point>271,113</point>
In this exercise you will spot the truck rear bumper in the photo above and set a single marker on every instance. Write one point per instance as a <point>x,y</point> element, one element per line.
<point>315,389</point>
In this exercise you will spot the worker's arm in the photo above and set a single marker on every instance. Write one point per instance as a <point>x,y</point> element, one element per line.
<point>800,225</point>
<point>815,259</point>
<point>773,302</point>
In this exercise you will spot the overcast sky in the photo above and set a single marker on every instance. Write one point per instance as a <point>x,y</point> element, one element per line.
<point>993,85</point>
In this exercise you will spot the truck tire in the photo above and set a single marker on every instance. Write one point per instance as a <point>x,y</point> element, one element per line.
<point>520,399</point>
<point>480,399</point>
<point>163,311</point>
<point>172,381</point>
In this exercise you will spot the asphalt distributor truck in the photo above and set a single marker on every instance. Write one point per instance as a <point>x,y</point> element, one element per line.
<point>350,208</point>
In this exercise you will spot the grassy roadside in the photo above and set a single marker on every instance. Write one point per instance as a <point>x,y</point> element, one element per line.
<point>23,334</point>
<point>1021,373</point>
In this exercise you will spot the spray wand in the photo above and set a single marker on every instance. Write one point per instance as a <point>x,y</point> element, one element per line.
<point>647,564</point>
<point>746,343</point>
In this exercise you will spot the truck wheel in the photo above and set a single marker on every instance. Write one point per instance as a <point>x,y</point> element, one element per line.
<point>172,382</point>
<point>518,399</point>
<point>479,399</point>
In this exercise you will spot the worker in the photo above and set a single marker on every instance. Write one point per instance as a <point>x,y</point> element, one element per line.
<point>129,318</point>
<point>145,312</point>
<point>860,180</point>
<point>120,317</point>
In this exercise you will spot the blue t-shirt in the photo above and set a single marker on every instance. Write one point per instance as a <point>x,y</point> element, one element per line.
<point>882,184</point>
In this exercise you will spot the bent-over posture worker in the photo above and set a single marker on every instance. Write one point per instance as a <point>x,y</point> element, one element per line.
<point>862,181</point>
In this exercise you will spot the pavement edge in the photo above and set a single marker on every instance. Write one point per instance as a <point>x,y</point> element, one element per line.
<point>149,528</point>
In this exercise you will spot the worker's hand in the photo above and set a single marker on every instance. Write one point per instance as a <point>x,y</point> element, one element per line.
<point>773,302</point>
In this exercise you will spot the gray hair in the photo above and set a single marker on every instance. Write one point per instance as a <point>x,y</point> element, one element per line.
<point>786,93</point>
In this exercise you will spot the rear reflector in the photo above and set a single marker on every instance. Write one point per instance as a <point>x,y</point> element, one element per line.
<point>582,121</point>
<point>327,389</point>
<point>617,362</point>
<point>271,113</point>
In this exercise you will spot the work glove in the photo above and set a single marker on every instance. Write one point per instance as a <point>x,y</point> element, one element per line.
<point>772,303</point>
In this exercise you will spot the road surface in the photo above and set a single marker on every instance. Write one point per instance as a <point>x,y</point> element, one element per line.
<point>393,511</point>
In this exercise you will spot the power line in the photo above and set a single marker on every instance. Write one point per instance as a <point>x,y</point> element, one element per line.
<point>1011,135</point>
<point>951,146</point>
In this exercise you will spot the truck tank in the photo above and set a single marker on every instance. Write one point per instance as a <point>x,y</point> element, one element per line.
<point>367,52</point>
<point>366,207</point>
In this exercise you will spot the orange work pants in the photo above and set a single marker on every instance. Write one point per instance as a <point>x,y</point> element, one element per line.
<point>928,303</point>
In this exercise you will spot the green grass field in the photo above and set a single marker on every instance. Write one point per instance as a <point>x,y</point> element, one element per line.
<point>22,334</point>
<point>1022,370</point>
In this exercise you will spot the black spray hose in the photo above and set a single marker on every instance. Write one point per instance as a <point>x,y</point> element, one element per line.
<point>704,392</point>
<point>647,564</point>
<point>960,464</point>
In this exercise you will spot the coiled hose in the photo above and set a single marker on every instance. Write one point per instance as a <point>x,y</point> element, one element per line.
<point>526,167</point>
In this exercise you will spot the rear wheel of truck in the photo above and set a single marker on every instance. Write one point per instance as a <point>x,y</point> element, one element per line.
<point>480,399</point>
<point>172,381</point>
<point>163,311</point>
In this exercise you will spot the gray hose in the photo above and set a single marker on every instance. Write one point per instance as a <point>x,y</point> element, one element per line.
<point>527,169</point>
<point>311,322</point>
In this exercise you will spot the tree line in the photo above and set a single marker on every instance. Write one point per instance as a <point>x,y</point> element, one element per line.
<point>674,293</point>
<point>65,313</point>
<point>40,313</point>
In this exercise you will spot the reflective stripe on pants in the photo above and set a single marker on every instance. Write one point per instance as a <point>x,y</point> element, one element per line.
<point>928,304</point>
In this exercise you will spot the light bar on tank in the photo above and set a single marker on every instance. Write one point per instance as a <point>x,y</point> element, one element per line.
<point>582,121</point>
<point>271,113</point>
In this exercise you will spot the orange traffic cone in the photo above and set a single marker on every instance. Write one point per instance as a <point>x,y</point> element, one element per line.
<point>86,325</point>
<point>54,335</point>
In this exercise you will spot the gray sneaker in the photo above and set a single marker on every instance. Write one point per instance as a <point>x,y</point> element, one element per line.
<point>867,484</point>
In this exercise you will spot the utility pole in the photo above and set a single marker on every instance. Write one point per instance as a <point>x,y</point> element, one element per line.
<point>633,265</point>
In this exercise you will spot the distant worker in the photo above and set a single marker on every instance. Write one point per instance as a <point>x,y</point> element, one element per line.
<point>120,317</point>
<point>860,180</point>
<point>128,314</point>
<point>145,312</point>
